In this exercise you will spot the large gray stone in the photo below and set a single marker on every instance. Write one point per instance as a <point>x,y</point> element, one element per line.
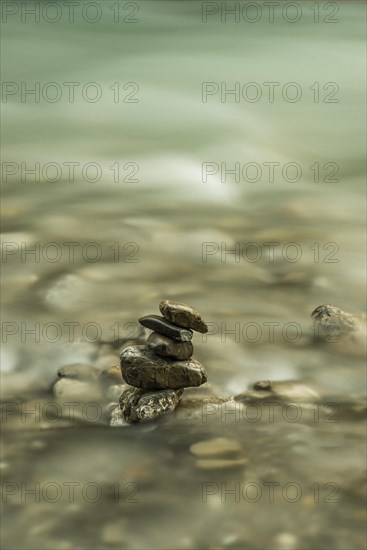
<point>141,368</point>
<point>78,371</point>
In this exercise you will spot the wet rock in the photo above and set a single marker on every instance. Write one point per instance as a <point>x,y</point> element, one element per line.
<point>215,447</point>
<point>138,405</point>
<point>141,368</point>
<point>167,347</point>
<point>286,390</point>
<point>70,390</point>
<point>333,325</point>
<point>117,418</point>
<point>182,315</point>
<point>128,402</point>
<point>158,371</point>
<point>327,316</point>
<point>162,326</point>
<point>78,371</point>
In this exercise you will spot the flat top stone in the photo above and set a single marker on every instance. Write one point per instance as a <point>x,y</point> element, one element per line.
<point>167,328</point>
<point>182,315</point>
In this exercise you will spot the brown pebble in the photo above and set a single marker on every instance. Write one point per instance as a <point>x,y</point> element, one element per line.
<point>182,315</point>
<point>167,347</point>
<point>263,385</point>
<point>139,405</point>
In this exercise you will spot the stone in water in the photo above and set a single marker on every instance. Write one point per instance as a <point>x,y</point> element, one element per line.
<point>182,315</point>
<point>139,405</point>
<point>167,347</point>
<point>161,325</point>
<point>141,368</point>
<point>215,447</point>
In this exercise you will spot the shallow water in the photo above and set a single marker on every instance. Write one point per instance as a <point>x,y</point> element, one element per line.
<point>170,235</point>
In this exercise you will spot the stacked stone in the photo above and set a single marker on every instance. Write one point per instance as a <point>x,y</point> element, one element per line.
<point>160,370</point>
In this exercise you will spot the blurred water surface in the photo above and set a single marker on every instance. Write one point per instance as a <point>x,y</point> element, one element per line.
<point>164,222</point>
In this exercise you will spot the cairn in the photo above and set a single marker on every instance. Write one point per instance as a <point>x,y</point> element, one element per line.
<point>160,370</point>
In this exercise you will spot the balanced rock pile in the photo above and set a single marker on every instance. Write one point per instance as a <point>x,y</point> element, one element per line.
<point>160,370</point>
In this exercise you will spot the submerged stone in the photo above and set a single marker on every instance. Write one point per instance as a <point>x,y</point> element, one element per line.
<point>182,315</point>
<point>111,376</point>
<point>331,322</point>
<point>215,447</point>
<point>162,326</point>
<point>117,418</point>
<point>347,332</point>
<point>285,390</point>
<point>128,402</point>
<point>69,389</point>
<point>141,368</point>
<point>167,347</point>
<point>78,371</point>
<point>139,405</point>
<point>153,404</point>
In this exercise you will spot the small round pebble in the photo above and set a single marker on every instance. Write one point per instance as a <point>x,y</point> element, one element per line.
<point>78,371</point>
<point>218,446</point>
<point>167,347</point>
<point>264,385</point>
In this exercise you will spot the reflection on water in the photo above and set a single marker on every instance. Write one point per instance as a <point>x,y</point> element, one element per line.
<point>250,211</point>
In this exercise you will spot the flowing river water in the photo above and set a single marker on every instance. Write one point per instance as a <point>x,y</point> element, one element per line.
<point>170,150</point>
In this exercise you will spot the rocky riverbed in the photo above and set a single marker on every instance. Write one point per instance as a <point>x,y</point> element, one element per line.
<point>279,444</point>
<point>268,453</point>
